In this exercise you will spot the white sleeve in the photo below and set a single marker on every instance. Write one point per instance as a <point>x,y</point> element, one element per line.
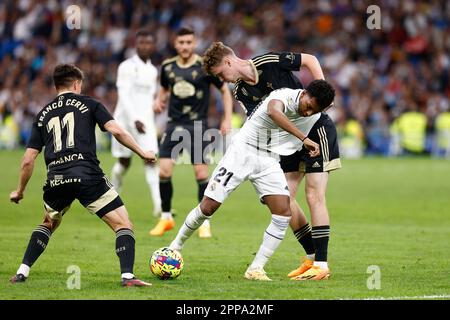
<point>287,97</point>
<point>277,95</point>
<point>289,101</point>
<point>124,85</point>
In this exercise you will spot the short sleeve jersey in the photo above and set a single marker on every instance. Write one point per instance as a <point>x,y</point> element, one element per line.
<point>189,86</point>
<point>273,71</point>
<point>263,133</point>
<point>66,129</point>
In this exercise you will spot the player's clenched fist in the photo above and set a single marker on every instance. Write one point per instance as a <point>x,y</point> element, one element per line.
<point>149,156</point>
<point>313,147</point>
<point>15,196</point>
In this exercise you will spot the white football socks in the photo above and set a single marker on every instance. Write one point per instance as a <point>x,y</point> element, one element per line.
<point>193,221</point>
<point>321,264</point>
<point>273,236</point>
<point>23,269</point>
<point>127,275</point>
<point>152,177</point>
<point>117,173</point>
<point>166,215</point>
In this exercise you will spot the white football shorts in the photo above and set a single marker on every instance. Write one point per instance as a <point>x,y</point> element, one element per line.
<point>243,162</point>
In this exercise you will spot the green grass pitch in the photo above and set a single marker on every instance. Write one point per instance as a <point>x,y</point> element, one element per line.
<point>390,213</point>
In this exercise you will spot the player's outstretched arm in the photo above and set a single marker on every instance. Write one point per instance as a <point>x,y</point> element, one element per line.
<point>26,171</point>
<point>312,63</point>
<point>275,110</point>
<point>225,126</point>
<point>125,138</point>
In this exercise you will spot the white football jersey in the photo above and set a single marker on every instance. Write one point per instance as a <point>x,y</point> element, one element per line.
<point>136,85</point>
<point>263,133</point>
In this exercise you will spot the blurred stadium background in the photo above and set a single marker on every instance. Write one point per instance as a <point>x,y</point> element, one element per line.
<point>393,84</point>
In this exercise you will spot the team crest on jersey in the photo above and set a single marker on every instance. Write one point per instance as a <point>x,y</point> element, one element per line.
<point>212,187</point>
<point>61,97</point>
<point>194,74</point>
<point>168,68</point>
<point>183,89</point>
<point>291,57</point>
<point>269,85</point>
<point>260,72</point>
<point>290,101</point>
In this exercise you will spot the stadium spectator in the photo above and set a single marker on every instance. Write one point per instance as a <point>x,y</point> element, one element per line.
<point>411,128</point>
<point>351,138</point>
<point>442,125</point>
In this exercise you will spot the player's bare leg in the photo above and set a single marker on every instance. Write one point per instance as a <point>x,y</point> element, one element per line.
<point>274,234</point>
<point>201,175</point>
<point>120,223</point>
<point>316,186</point>
<point>36,246</point>
<point>166,222</point>
<point>299,224</point>
<point>118,171</point>
<point>194,220</point>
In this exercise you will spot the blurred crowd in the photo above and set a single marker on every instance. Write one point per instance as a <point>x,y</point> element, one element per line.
<point>392,83</point>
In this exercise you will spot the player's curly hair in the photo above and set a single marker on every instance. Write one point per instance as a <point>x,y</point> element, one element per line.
<point>322,91</point>
<point>214,54</point>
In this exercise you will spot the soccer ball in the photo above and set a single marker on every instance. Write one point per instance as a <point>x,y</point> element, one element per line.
<point>166,263</point>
